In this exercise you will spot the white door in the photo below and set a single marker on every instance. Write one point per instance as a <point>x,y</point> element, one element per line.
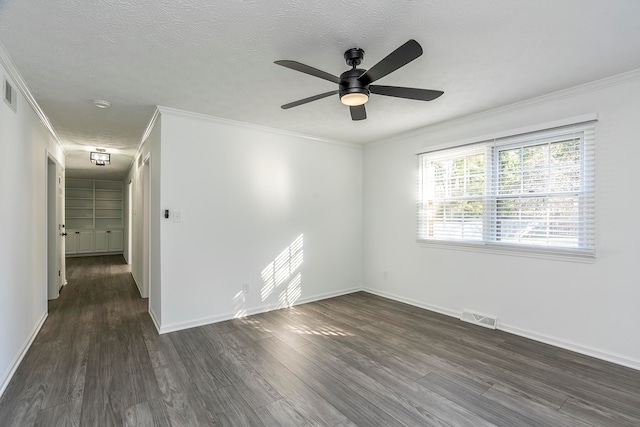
<point>62,264</point>
<point>55,228</point>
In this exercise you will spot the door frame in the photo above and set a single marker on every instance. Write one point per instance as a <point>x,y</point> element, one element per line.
<point>146,227</point>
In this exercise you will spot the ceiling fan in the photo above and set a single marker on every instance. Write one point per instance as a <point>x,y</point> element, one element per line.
<point>354,85</point>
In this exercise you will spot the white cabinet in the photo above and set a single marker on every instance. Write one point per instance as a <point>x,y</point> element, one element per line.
<point>94,241</point>
<point>79,242</point>
<point>108,240</point>
<point>116,240</point>
<point>100,241</point>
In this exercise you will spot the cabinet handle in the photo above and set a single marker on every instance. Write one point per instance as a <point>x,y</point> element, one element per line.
<point>108,231</point>
<point>77,232</point>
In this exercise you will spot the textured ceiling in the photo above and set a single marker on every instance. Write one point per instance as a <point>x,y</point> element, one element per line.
<point>216,58</point>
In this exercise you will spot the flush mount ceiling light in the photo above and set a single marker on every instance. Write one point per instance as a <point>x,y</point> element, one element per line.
<point>101,103</point>
<point>100,159</point>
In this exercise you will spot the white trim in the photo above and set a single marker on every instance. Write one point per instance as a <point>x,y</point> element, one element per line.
<point>235,123</point>
<point>415,303</point>
<point>257,310</point>
<point>512,250</point>
<point>584,118</point>
<point>543,99</point>
<point>554,341</point>
<point>145,135</point>
<point>19,82</point>
<point>13,366</point>
<point>571,346</point>
<point>137,282</point>
<point>154,319</point>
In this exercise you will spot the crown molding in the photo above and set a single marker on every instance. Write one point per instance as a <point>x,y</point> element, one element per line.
<point>21,84</point>
<point>234,123</point>
<point>606,82</point>
<point>145,135</point>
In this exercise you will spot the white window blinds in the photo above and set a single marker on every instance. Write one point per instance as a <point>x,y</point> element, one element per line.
<point>526,193</point>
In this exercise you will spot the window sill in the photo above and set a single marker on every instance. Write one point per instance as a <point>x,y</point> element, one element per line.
<point>527,252</point>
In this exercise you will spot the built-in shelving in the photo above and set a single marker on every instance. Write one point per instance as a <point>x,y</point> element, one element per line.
<point>94,206</point>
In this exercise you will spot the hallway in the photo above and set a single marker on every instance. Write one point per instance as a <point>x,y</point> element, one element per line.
<point>89,360</point>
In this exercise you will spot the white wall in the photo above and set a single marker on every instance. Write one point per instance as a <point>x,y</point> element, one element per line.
<point>245,194</point>
<point>24,142</point>
<point>590,308</point>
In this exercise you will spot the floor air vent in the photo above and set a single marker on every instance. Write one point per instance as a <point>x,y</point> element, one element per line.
<point>479,319</point>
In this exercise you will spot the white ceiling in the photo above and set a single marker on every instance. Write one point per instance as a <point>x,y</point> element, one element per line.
<point>216,58</point>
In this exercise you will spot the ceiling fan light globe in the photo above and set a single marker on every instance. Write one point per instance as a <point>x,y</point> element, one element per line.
<point>354,99</point>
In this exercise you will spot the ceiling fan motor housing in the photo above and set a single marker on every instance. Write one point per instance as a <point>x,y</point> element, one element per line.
<point>349,82</point>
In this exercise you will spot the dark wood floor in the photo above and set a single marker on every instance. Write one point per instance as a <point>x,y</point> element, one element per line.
<point>353,360</point>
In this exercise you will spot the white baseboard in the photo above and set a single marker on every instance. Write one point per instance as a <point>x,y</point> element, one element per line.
<point>137,282</point>
<point>154,318</point>
<point>256,310</point>
<point>415,303</point>
<point>4,382</point>
<point>578,348</point>
<point>557,342</point>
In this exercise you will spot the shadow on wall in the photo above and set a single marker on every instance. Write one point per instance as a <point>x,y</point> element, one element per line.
<point>281,280</point>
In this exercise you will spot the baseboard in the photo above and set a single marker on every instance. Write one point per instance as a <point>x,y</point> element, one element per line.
<point>154,319</point>
<point>415,303</point>
<point>571,346</point>
<point>4,382</point>
<point>257,310</point>
<point>557,342</point>
<point>137,282</point>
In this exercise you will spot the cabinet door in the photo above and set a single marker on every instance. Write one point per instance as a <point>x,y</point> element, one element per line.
<point>116,240</point>
<point>85,241</point>
<point>71,242</point>
<point>101,244</point>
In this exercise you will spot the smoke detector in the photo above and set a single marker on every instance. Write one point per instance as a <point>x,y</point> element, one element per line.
<point>101,103</point>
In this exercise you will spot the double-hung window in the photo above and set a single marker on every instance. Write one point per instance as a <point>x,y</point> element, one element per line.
<point>528,193</point>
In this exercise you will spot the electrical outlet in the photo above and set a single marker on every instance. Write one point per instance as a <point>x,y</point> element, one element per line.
<point>245,288</point>
<point>385,275</point>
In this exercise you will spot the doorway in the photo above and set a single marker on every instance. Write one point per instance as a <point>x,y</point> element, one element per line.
<point>130,223</point>
<point>56,272</point>
<point>146,190</point>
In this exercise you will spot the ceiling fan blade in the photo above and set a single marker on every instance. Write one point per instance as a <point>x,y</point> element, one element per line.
<point>297,66</point>
<point>358,112</point>
<point>309,99</point>
<point>406,92</point>
<point>396,59</point>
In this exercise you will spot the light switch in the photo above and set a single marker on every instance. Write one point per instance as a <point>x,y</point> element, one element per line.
<point>177,216</point>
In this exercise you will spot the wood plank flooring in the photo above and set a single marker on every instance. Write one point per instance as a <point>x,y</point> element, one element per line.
<point>355,360</point>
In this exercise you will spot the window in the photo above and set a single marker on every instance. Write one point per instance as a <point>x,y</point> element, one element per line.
<point>529,193</point>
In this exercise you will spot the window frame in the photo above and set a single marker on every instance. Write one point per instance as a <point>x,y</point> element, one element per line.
<point>584,195</point>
